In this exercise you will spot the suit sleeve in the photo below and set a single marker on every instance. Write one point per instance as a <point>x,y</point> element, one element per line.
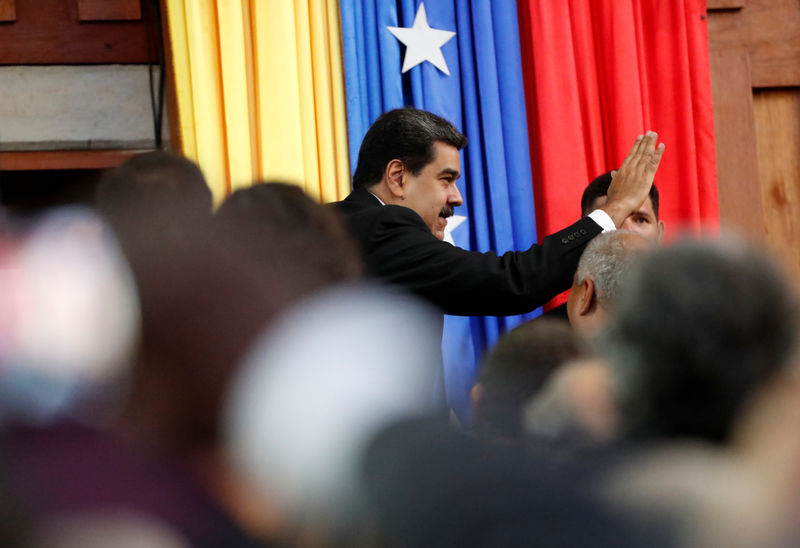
<point>403,251</point>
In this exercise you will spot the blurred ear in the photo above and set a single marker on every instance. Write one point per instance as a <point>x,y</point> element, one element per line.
<point>586,297</point>
<point>395,170</point>
<point>661,228</point>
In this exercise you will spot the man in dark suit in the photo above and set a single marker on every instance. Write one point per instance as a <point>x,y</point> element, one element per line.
<point>404,190</point>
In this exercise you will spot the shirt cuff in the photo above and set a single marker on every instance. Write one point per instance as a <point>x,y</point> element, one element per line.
<point>603,219</point>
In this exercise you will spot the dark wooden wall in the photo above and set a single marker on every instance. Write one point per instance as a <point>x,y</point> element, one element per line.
<point>755,77</point>
<point>55,32</point>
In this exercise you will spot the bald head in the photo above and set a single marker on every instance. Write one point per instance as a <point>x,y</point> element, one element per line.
<point>601,275</point>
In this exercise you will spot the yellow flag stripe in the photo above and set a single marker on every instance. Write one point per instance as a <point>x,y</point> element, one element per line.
<point>207,94</point>
<point>232,46</point>
<point>322,100</point>
<point>338,101</point>
<point>277,91</point>
<point>176,21</point>
<point>305,80</point>
<point>260,92</point>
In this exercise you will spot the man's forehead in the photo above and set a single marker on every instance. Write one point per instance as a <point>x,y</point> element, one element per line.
<point>447,156</point>
<point>647,206</point>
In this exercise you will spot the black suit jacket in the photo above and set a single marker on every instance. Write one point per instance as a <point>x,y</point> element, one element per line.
<point>398,247</point>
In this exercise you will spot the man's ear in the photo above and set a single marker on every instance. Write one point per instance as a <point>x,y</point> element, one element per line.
<point>395,170</point>
<point>661,228</point>
<point>586,301</point>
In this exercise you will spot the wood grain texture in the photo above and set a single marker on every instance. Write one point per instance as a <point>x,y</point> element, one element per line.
<point>109,10</point>
<point>770,30</point>
<point>734,133</point>
<point>64,159</point>
<point>777,121</point>
<point>48,32</point>
<point>724,4</point>
<point>8,11</point>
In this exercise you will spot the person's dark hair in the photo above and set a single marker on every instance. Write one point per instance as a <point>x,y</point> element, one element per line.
<point>699,328</point>
<point>157,192</point>
<point>599,188</point>
<point>406,134</point>
<point>205,298</point>
<point>516,368</point>
<point>273,220</point>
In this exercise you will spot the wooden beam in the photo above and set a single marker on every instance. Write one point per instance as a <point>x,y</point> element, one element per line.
<point>712,5</point>
<point>777,121</point>
<point>735,135</point>
<point>769,31</point>
<point>64,159</point>
<point>109,10</point>
<point>8,11</point>
<point>47,32</point>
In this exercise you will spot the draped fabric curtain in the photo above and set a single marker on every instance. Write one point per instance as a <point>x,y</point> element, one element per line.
<point>550,93</point>
<point>483,96</point>
<point>600,72</point>
<point>260,92</point>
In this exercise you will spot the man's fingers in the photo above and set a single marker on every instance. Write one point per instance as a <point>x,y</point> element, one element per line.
<point>634,149</point>
<point>655,159</point>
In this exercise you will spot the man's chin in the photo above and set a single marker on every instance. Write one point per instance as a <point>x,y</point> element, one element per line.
<point>440,228</point>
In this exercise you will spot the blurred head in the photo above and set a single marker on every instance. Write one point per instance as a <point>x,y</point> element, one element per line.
<point>514,370</point>
<point>574,406</point>
<point>645,220</point>
<point>307,400</point>
<point>156,194</point>
<point>601,276</point>
<point>410,157</point>
<point>69,319</point>
<point>699,329</point>
<point>269,220</point>
<point>205,297</point>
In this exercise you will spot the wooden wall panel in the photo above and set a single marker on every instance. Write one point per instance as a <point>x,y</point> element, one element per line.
<point>8,11</point>
<point>48,32</point>
<point>770,30</point>
<point>65,159</point>
<point>734,133</point>
<point>109,10</point>
<point>777,121</point>
<point>724,4</point>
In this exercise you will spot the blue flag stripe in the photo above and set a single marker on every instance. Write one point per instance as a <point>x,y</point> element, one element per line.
<point>484,97</point>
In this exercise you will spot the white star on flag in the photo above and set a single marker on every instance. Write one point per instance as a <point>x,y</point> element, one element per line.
<point>422,42</point>
<point>452,223</point>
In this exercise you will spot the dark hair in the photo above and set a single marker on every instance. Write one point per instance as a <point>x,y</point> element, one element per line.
<point>699,328</point>
<point>206,297</point>
<point>406,134</point>
<point>599,188</point>
<point>516,368</point>
<point>278,220</point>
<point>153,195</point>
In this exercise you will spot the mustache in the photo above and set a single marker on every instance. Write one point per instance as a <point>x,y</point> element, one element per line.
<point>447,211</point>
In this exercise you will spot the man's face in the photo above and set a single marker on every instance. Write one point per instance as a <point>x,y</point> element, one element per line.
<point>433,193</point>
<point>643,220</point>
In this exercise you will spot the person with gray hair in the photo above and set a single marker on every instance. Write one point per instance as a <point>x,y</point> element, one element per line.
<point>600,277</point>
<point>700,327</point>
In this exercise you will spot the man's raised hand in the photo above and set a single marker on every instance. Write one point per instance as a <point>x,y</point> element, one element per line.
<point>631,183</point>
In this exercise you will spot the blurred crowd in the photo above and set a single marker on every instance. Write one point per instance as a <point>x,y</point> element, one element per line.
<point>175,375</point>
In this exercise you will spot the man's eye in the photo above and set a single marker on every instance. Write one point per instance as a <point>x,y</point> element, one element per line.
<point>642,220</point>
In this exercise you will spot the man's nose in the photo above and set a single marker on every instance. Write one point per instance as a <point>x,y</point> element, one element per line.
<point>455,199</point>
